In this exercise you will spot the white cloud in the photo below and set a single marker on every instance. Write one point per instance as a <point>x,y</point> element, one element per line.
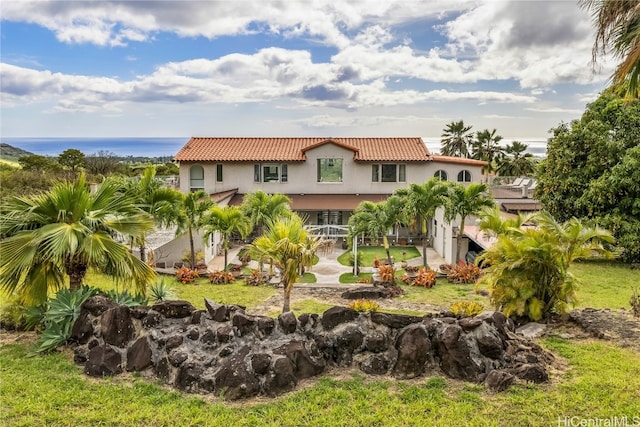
<point>555,110</point>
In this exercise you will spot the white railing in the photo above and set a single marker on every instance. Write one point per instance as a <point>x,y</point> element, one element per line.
<point>329,231</point>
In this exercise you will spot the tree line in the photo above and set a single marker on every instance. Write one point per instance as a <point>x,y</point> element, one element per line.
<point>458,140</point>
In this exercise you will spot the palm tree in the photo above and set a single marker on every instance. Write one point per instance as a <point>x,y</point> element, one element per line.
<point>486,148</point>
<point>190,210</point>
<point>375,220</point>
<point>493,223</point>
<point>288,244</point>
<point>465,201</point>
<point>455,139</point>
<point>421,202</point>
<point>154,198</point>
<point>262,207</point>
<point>528,269</point>
<point>516,162</point>
<point>226,220</point>
<point>66,231</point>
<point>618,28</point>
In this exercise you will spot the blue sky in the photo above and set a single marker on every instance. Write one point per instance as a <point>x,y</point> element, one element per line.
<point>293,68</point>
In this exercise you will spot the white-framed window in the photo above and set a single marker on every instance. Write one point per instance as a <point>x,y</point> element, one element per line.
<point>329,170</point>
<point>196,178</point>
<point>441,175</point>
<point>464,176</point>
<point>270,172</point>
<point>219,173</point>
<point>388,172</point>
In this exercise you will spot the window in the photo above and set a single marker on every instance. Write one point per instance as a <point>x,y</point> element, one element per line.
<point>441,175</point>
<point>389,172</point>
<point>196,178</point>
<point>464,176</point>
<point>270,173</point>
<point>329,170</point>
<point>218,173</point>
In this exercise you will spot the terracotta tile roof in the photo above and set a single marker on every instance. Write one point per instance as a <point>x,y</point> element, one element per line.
<point>458,160</point>
<point>208,149</point>
<point>323,202</point>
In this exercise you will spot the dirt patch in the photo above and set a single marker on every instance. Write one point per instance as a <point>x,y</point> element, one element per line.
<point>617,326</point>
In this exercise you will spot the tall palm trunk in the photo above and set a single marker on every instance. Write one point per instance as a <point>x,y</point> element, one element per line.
<point>287,296</point>
<point>385,242</point>
<point>76,269</point>
<point>459,241</point>
<point>225,245</point>
<point>193,250</point>
<point>143,255</point>
<point>424,242</point>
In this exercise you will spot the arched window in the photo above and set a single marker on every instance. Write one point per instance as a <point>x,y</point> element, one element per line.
<point>464,176</point>
<point>196,178</point>
<point>440,174</point>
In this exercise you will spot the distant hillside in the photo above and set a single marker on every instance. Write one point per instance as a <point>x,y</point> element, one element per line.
<point>8,152</point>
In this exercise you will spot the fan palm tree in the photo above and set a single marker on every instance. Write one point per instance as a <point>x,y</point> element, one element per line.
<point>618,29</point>
<point>516,161</point>
<point>465,201</point>
<point>486,148</point>
<point>421,202</point>
<point>154,198</point>
<point>226,220</point>
<point>190,210</point>
<point>262,207</point>
<point>455,139</point>
<point>66,231</point>
<point>288,244</point>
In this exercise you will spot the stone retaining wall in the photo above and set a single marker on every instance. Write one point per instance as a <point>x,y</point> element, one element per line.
<point>224,350</point>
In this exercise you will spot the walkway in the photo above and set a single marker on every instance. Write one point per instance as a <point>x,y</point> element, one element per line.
<point>328,270</point>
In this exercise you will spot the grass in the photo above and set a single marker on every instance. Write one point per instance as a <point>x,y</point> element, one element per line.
<point>232,293</point>
<point>304,306</point>
<point>605,284</point>
<point>60,395</point>
<point>369,253</point>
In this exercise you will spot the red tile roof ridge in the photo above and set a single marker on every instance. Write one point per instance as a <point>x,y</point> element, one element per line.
<point>458,160</point>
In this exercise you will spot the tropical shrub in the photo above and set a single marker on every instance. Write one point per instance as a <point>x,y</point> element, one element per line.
<point>528,268</point>
<point>466,308</point>
<point>221,277</point>
<point>257,278</point>
<point>125,298</point>
<point>387,273</point>
<point>13,314</point>
<point>60,315</point>
<point>364,305</point>
<point>186,275</point>
<point>160,290</point>
<point>462,272</point>
<point>426,278</point>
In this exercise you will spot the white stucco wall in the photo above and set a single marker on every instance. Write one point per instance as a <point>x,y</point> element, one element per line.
<point>302,176</point>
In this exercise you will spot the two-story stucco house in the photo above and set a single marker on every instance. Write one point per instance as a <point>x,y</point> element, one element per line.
<point>326,178</point>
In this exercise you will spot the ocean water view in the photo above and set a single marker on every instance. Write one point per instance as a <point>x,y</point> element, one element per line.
<point>163,147</point>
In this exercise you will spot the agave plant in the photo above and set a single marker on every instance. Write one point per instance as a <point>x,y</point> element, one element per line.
<point>161,291</point>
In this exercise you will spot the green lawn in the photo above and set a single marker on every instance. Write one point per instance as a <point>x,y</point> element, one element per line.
<point>605,284</point>
<point>58,394</point>
<point>369,253</point>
